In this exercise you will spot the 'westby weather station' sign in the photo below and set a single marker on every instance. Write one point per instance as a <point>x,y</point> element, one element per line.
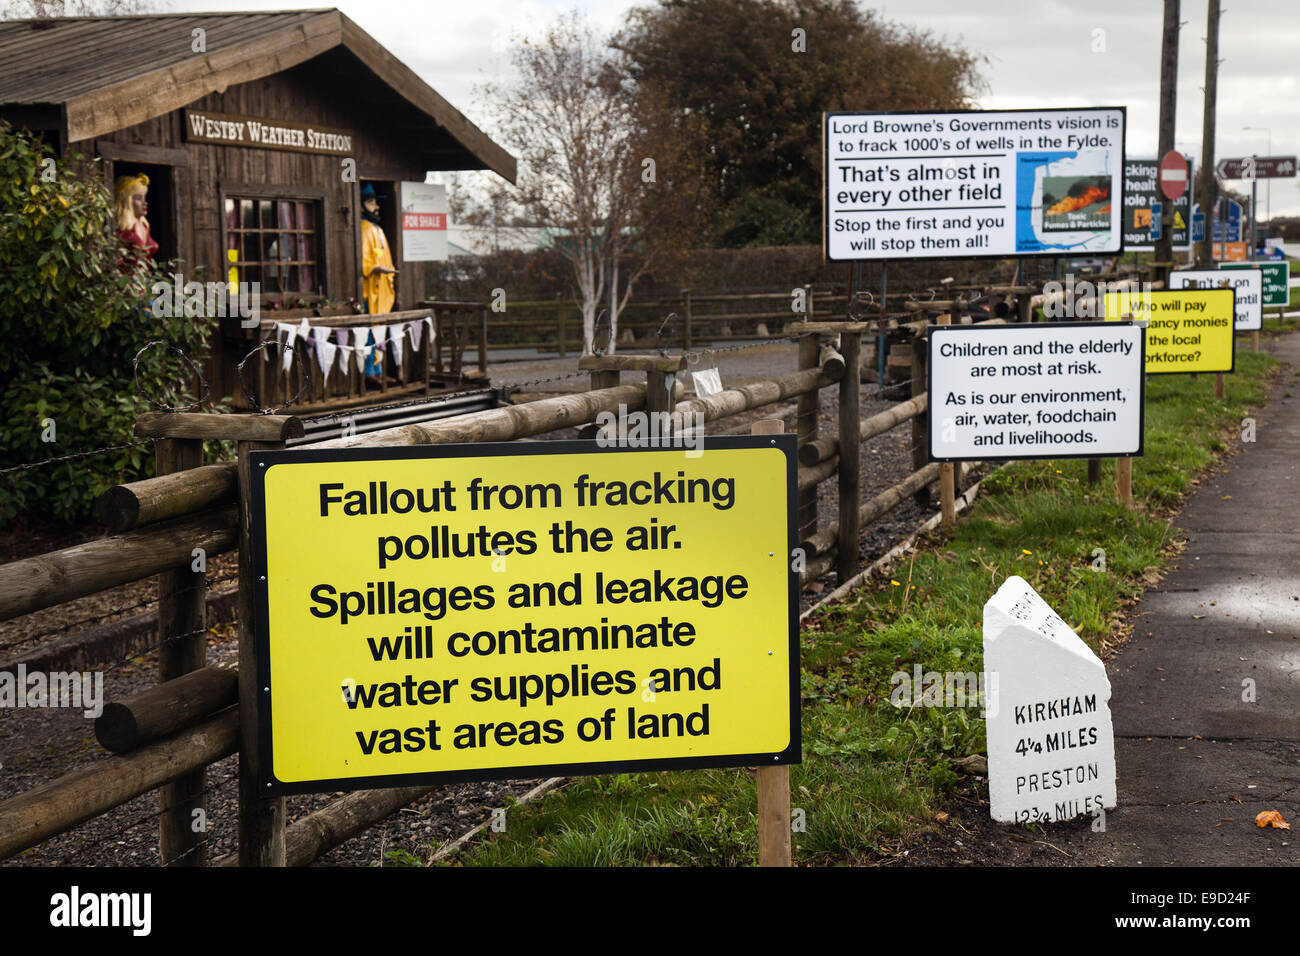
<point>1050,390</point>
<point>966,184</point>
<point>483,611</point>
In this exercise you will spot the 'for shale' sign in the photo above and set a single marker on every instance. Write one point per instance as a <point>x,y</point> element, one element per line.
<point>1188,330</point>
<point>1049,390</point>
<point>480,611</point>
<point>957,185</point>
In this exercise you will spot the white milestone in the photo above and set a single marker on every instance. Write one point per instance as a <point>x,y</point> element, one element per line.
<point>1050,738</point>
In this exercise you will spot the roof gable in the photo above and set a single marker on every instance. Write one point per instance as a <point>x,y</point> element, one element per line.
<point>107,73</point>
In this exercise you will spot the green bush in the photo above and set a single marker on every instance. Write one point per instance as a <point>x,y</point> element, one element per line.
<point>71,324</point>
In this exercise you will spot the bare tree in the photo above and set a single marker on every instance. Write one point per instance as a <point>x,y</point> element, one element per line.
<point>570,122</point>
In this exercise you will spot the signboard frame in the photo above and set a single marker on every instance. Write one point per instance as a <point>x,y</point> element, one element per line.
<point>1117,194</point>
<point>1232,334</point>
<point>1264,265</point>
<point>1253,324</point>
<point>1040,456</point>
<point>262,462</point>
<point>1182,203</point>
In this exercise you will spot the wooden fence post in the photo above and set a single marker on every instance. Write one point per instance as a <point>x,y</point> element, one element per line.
<point>1218,385</point>
<point>850,453</point>
<point>774,782</point>
<point>261,822</point>
<point>921,423</point>
<point>947,476</point>
<point>182,616</point>
<point>806,430</point>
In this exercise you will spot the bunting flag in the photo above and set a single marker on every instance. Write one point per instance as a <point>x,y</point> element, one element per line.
<point>380,332</point>
<point>415,328</point>
<point>360,353</point>
<point>342,335</point>
<point>397,342</point>
<point>326,352</point>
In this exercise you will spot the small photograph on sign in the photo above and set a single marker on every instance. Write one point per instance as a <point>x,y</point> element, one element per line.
<point>1072,203</point>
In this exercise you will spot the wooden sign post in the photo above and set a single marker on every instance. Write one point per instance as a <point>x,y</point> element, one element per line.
<point>947,473</point>
<point>773,782</point>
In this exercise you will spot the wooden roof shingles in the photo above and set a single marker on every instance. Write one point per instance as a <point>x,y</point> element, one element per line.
<point>107,73</point>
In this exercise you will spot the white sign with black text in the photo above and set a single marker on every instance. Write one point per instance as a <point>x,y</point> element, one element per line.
<point>1043,390</point>
<point>1248,284</point>
<point>973,184</point>
<point>1050,737</point>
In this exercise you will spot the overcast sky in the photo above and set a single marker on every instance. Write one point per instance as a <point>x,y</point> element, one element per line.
<point>1041,54</point>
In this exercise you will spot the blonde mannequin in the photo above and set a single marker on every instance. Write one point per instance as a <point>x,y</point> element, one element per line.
<point>131,209</point>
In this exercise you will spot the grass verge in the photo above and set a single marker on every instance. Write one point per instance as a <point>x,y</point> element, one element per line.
<point>874,774</point>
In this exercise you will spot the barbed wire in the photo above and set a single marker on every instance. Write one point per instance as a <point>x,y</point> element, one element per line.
<point>157,646</point>
<point>114,613</point>
<point>143,819</point>
<point>163,406</point>
<point>73,456</point>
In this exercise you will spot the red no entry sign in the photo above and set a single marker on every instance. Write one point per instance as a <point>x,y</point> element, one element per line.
<point>1173,174</point>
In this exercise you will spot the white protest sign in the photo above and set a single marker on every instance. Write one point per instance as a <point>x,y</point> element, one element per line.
<point>1046,390</point>
<point>1051,741</point>
<point>973,184</point>
<point>1247,285</point>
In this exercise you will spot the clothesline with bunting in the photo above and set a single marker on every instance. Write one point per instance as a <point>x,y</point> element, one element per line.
<point>328,353</point>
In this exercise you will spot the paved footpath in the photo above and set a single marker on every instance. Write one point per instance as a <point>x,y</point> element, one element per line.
<point>1196,761</point>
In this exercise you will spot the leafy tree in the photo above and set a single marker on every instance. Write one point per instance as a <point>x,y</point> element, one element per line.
<point>72,322</point>
<point>756,75</point>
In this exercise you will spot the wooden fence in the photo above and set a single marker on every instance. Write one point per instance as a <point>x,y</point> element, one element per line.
<point>165,737</point>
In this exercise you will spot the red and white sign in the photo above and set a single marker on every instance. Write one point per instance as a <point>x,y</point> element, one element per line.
<point>424,222</point>
<point>1173,175</point>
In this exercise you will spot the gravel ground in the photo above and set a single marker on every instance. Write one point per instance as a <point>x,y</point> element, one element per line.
<point>38,745</point>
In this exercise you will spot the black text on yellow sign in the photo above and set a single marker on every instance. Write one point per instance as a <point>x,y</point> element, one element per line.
<point>465,612</point>
<point>1188,330</point>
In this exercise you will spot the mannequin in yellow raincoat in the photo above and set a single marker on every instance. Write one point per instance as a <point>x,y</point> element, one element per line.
<point>376,265</point>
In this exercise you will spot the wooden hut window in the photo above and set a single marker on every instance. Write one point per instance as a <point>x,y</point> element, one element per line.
<point>277,243</point>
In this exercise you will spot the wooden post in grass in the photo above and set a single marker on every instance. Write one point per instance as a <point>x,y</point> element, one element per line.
<point>773,782</point>
<point>1124,481</point>
<point>805,424</point>
<point>1254,341</point>
<point>1218,385</point>
<point>1094,470</point>
<point>182,648</point>
<point>947,474</point>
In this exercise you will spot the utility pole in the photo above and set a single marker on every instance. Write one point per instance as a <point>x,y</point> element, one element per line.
<point>1164,250</point>
<point>1208,186</point>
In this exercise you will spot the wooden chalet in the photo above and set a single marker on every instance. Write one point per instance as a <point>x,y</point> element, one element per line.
<point>247,125</point>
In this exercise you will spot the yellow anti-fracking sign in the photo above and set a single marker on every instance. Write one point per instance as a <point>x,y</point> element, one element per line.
<point>1188,330</point>
<point>468,612</point>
